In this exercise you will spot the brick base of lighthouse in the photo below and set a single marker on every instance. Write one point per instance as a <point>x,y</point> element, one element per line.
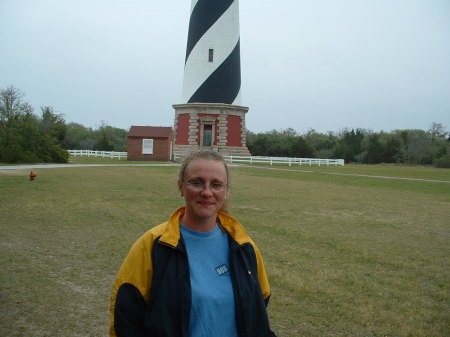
<point>216,126</point>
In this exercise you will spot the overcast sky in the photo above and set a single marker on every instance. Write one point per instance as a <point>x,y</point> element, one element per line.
<point>317,64</point>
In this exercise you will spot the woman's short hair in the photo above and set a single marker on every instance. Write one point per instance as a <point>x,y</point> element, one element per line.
<point>208,155</point>
<point>201,154</point>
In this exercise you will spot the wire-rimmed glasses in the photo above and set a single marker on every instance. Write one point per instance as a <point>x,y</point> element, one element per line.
<point>199,186</point>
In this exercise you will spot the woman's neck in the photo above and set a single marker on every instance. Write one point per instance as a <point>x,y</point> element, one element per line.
<point>198,224</point>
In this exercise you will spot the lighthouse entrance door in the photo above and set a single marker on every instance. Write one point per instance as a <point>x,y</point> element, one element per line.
<point>207,135</point>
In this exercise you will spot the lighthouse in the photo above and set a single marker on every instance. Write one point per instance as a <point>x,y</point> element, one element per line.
<point>211,115</point>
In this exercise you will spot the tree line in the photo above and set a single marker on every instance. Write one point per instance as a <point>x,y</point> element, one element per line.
<point>410,146</point>
<point>27,137</point>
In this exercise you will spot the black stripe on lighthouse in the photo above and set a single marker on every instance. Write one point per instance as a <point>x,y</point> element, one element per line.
<point>203,16</point>
<point>223,85</point>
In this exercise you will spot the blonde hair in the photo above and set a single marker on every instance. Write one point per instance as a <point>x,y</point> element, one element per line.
<point>208,155</point>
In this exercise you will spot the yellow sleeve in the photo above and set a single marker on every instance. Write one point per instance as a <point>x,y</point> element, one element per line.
<point>136,272</point>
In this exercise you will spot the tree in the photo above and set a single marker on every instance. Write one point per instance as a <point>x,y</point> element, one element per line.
<point>437,131</point>
<point>283,143</point>
<point>53,130</point>
<point>15,117</point>
<point>24,137</point>
<point>440,138</point>
<point>117,137</point>
<point>105,138</point>
<point>53,124</point>
<point>322,145</point>
<point>418,147</point>
<point>392,148</point>
<point>103,144</point>
<point>298,147</point>
<point>11,104</point>
<point>109,138</point>
<point>350,145</point>
<point>374,149</point>
<point>79,137</point>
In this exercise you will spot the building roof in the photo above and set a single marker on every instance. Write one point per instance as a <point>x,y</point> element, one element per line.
<point>150,131</point>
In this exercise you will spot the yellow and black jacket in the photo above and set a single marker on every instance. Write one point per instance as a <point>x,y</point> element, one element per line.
<point>152,295</point>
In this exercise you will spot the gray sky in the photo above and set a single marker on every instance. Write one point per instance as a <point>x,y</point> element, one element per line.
<point>320,64</point>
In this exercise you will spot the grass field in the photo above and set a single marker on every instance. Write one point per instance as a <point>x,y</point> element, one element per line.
<point>346,255</point>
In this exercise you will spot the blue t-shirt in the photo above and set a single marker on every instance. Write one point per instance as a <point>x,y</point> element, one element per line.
<point>212,311</point>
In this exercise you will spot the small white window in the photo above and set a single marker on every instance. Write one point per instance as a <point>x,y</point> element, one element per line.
<point>147,146</point>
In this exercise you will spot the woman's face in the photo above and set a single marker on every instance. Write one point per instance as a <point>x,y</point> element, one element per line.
<point>203,205</point>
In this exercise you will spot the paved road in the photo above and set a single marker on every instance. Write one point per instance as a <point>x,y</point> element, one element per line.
<point>43,166</point>
<point>40,166</point>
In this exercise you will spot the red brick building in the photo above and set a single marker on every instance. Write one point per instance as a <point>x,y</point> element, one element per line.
<point>216,126</point>
<point>150,143</point>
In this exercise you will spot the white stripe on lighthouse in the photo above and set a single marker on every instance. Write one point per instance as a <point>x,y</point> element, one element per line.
<point>194,2</point>
<point>222,37</point>
<point>237,100</point>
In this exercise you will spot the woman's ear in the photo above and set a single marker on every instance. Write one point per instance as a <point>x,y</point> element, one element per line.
<point>180,188</point>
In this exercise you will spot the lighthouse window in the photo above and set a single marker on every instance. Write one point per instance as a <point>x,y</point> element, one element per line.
<point>207,135</point>
<point>211,55</point>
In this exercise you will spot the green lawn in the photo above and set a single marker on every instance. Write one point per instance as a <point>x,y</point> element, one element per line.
<point>346,255</point>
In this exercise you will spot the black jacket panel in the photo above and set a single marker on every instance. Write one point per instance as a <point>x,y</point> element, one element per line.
<point>129,311</point>
<point>252,318</point>
<point>167,313</point>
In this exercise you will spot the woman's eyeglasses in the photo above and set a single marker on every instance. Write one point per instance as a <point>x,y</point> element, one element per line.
<point>199,186</point>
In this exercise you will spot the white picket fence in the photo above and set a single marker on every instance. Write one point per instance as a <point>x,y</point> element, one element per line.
<point>104,154</point>
<point>279,160</point>
<point>230,159</point>
<point>285,160</point>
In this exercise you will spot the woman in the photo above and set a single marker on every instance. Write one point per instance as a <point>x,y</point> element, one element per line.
<point>198,274</point>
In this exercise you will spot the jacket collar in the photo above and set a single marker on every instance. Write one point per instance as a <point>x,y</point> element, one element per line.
<point>171,235</point>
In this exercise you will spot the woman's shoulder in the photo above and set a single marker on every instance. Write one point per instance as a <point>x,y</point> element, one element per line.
<point>154,232</point>
<point>168,230</point>
<point>234,228</point>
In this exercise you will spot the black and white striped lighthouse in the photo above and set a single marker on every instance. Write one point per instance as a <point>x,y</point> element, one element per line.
<point>212,72</point>
<point>211,115</point>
